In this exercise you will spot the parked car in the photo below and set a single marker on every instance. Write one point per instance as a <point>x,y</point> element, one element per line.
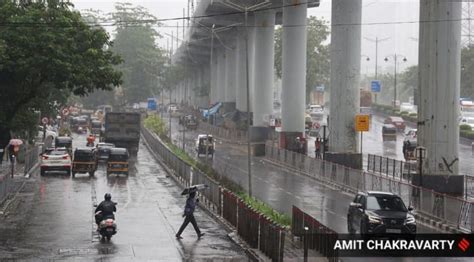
<point>49,133</point>
<point>389,132</point>
<point>379,213</point>
<point>85,161</point>
<point>103,150</point>
<point>55,160</point>
<point>398,122</point>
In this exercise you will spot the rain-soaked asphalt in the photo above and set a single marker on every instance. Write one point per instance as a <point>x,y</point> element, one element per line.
<point>52,218</point>
<point>279,187</point>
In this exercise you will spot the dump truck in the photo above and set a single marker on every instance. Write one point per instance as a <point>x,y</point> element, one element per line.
<point>123,130</point>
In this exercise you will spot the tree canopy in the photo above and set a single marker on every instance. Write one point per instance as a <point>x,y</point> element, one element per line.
<point>317,54</point>
<point>48,52</point>
<point>135,43</point>
<point>467,72</point>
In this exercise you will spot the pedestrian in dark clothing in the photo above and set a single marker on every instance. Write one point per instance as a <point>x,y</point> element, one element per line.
<point>1,155</point>
<point>317,146</point>
<point>106,208</point>
<point>11,152</point>
<point>189,216</point>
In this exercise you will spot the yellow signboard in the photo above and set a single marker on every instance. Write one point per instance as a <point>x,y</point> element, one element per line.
<point>362,123</point>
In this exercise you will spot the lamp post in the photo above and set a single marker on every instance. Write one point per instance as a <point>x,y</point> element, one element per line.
<point>376,41</point>
<point>395,60</point>
<point>367,58</point>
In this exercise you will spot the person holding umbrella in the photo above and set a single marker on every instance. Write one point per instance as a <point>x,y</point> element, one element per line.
<point>189,213</point>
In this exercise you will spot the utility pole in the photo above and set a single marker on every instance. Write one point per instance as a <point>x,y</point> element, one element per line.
<point>376,41</point>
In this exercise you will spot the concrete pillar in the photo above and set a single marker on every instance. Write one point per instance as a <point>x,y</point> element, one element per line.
<point>241,81</point>
<point>345,75</point>
<point>220,76</point>
<point>230,77</point>
<point>293,74</point>
<point>439,85</point>
<point>213,78</point>
<point>264,67</point>
<point>251,59</point>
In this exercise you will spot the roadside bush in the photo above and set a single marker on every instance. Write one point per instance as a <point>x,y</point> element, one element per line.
<point>157,125</point>
<point>465,127</point>
<point>266,210</point>
<point>404,113</point>
<point>467,134</point>
<point>413,115</point>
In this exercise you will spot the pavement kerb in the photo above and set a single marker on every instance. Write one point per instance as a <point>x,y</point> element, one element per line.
<point>5,203</point>
<point>253,254</point>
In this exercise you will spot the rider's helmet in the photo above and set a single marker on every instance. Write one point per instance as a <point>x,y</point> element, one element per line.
<point>107,196</point>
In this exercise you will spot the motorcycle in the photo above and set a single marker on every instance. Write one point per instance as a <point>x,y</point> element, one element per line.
<point>107,227</point>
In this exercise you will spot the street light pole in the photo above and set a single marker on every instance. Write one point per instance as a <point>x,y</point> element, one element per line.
<point>376,40</point>
<point>395,59</point>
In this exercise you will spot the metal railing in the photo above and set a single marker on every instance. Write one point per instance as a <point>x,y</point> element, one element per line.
<point>455,211</point>
<point>257,230</point>
<point>314,234</point>
<point>405,170</point>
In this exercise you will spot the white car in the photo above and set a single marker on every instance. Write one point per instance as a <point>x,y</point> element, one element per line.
<point>49,133</point>
<point>56,160</point>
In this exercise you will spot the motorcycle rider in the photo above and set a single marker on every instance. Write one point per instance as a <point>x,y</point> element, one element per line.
<point>90,140</point>
<point>107,208</point>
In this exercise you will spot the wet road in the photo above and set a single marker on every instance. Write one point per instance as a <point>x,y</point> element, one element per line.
<point>59,220</point>
<point>278,187</point>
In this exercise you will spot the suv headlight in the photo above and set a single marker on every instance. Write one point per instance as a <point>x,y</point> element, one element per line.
<point>410,220</point>
<point>375,220</point>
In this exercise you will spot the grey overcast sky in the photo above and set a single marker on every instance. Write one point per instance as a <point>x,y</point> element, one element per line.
<point>403,38</point>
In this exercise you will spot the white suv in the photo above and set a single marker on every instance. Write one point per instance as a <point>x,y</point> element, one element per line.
<point>56,160</point>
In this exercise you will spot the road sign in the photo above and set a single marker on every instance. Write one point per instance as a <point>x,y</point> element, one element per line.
<point>44,120</point>
<point>362,123</point>
<point>65,112</point>
<point>151,104</point>
<point>375,86</point>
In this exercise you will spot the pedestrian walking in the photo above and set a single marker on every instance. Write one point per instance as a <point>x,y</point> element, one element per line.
<point>189,216</point>
<point>317,146</point>
<point>11,152</point>
<point>1,155</point>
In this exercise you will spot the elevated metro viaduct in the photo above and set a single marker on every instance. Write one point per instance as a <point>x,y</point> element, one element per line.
<point>215,54</point>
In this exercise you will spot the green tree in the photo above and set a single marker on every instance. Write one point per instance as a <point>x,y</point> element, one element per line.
<point>408,82</point>
<point>47,53</point>
<point>467,72</point>
<point>317,54</point>
<point>135,42</point>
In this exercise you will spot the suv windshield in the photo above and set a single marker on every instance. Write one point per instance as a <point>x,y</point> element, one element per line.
<point>386,203</point>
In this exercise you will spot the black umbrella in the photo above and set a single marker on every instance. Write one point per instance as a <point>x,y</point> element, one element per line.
<point>194,188</point>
